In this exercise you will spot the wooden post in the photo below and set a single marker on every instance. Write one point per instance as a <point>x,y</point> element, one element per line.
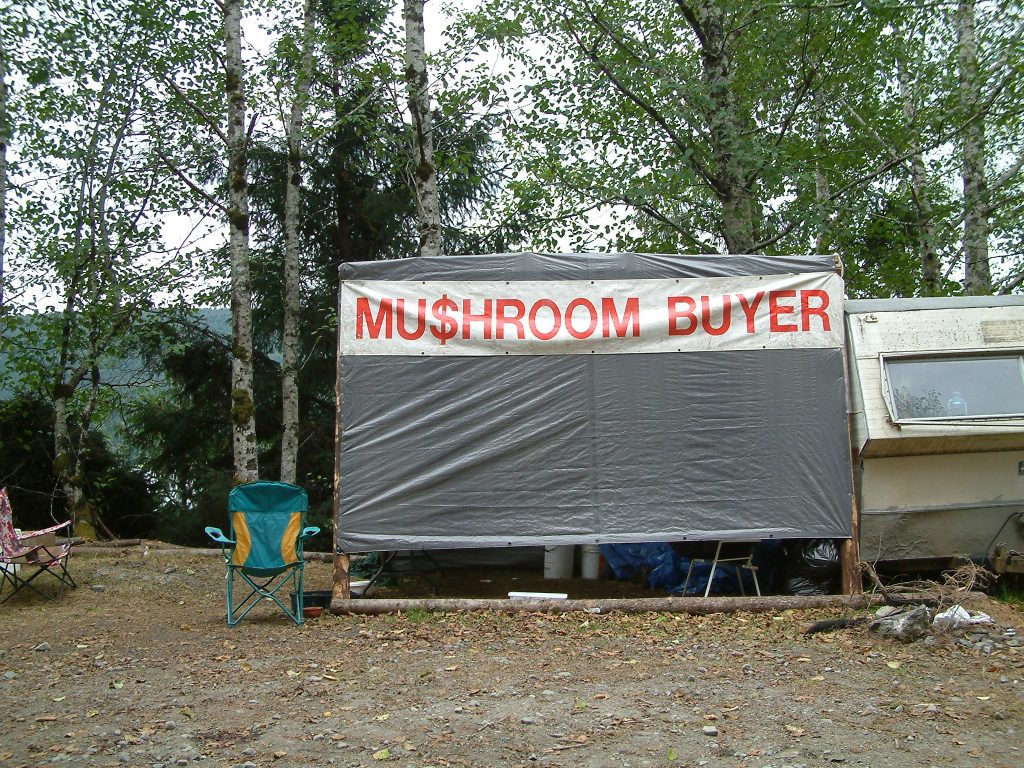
<point>341,587</point>
<point>849,558</point>
<point>849,551</point>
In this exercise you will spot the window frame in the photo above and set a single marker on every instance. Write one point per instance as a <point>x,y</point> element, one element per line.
<point>942,355</point>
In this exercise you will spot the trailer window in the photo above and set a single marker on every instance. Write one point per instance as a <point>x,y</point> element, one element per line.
<point>945,388</point>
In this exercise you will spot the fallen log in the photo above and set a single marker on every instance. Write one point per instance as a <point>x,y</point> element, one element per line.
<point>691,605</point>
<point>162,548</point>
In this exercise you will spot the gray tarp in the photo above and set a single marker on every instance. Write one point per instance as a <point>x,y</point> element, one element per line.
<point>557,449</point>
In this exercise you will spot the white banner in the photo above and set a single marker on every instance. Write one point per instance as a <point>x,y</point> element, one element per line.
<point>577,317</point>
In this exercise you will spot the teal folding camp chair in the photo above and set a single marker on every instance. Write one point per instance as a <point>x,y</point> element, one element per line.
<point>265,549</point>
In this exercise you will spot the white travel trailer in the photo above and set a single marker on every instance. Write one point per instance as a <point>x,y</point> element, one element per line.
<point>937,404</point>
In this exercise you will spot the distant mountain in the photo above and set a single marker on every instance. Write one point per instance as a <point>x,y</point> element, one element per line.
<point>131,373</point>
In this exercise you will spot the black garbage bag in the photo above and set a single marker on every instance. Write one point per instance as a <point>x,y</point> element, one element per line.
<point>812,567</point>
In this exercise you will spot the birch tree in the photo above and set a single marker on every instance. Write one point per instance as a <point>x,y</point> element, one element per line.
<point>931,266</point>
<point>424,171</point>
<point>718,125</point>
<point>292,269</point>
<point>4,139</point>
<point>692,124</point>
<point>977,271</point>
<point>243,411</point>
<point>85,235</point>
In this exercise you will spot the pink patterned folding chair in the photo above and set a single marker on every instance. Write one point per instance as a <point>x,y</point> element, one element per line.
<point>31,554</point>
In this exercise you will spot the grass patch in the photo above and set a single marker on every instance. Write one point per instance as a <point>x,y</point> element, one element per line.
<point>418,616</point>
<point>1010,590</point>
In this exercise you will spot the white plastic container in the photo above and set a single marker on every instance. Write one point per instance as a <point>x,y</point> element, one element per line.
<point>558,561</point>
<point>537,595</point>
<point>590,561</point>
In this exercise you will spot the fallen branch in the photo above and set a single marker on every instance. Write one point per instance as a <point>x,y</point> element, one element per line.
<point>869,570</point>
<point>163,548</point>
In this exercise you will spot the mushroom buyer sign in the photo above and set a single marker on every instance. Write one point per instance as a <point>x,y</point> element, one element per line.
<point>566,317</point>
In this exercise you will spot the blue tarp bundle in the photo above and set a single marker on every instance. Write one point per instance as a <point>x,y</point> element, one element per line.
<point>666,569</point>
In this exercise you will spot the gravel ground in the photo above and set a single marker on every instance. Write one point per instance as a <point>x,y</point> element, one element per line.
<point>137,668</point>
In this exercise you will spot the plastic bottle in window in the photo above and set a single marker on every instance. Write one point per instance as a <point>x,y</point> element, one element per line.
<point>956,405</point>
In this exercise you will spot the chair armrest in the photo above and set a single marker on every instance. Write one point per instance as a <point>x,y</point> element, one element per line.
<point>30,534</point>
<point>218,536</point>
<point>37,554</point>
<point>309,532</point>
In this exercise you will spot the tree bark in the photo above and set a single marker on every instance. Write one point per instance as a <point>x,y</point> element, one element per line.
<point>731,180</point>
<point>931,269</point>
<point>977,272</point>
<point>292,270</point>
<point>243,411</point>
<point>424,171</point>
<point>822,189</point>
<point>4,139</point>
<point>66,468</point>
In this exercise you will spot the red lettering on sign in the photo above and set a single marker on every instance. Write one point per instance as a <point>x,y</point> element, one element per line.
<point>556,319</point>
<point>749,308</point>
<point>504,319</point>
<point>487,318</point>
<point>675,314</point>
<point>821,310</point>
<point>364,317</point>
<point>610,318</point>
<point>570,318</point>
<point>421,319</point>
<point>776,309</point>
<point>447,327</point>
<point>705,319</point>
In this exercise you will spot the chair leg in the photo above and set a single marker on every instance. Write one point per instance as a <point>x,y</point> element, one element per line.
<point>229,580</point>
<point>18,583</point>
<point>714,567</point>
<point>689,570</point>
<point>263,590</point>
<point>300,596</point>
<point>753,573</point>
<point>8,576</point>
<point>385,559</point>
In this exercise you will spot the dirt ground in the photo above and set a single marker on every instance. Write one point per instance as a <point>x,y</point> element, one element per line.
<point>137,668</point>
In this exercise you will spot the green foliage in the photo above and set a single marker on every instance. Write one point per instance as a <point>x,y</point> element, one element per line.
<point>880,252</point>
<point>643,126</point>
<point>121,494</point>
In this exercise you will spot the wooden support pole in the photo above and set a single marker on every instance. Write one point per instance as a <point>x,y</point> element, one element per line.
<point>341,587</point>
<point>849,550</point>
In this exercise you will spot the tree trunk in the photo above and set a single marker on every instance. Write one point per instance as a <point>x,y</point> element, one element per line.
<point>822,189</point>
<point>424,171</point>
<point>4,139</point>
<point>977,272</point>
<point>66,466</point>
<point>243,411</point>
<point>69,458</point>
<point>731,182</point>
<point>931,271</point>
<point>292,271</point>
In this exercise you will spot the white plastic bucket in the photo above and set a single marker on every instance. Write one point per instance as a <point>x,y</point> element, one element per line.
<point>590,561</point>
<point>558,562</point>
